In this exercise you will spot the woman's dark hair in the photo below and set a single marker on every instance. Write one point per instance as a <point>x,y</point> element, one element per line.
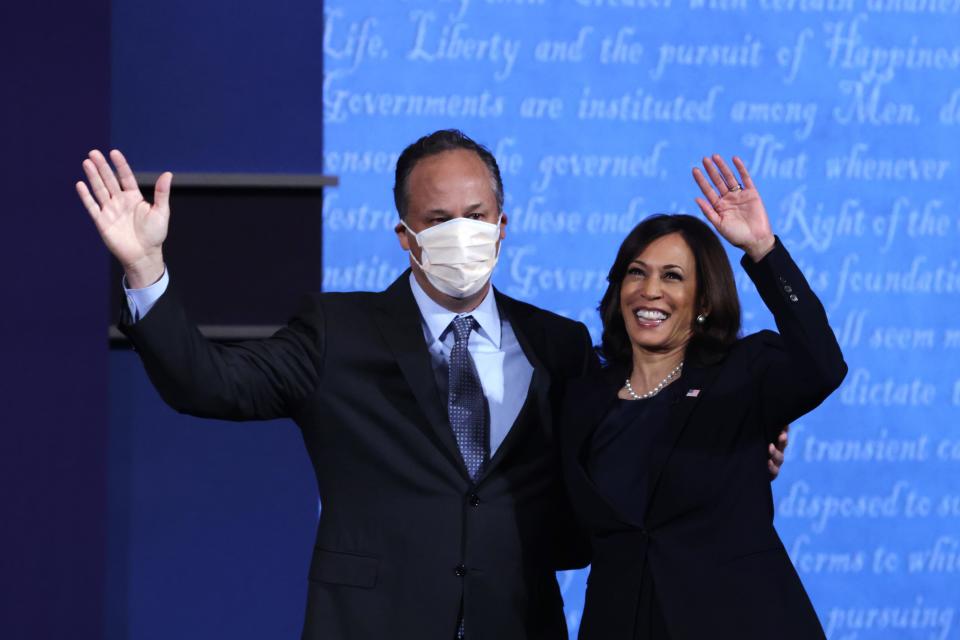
<point>438,142</point>
<point>716,290</point>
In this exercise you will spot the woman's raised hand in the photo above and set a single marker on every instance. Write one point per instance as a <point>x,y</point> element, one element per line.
<point>734,207</point>
<point>132,228</point>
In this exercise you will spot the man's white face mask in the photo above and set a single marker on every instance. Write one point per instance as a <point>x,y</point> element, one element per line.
<point>458,255</point>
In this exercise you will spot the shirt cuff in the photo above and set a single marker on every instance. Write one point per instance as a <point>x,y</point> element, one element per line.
<point>140,301</point>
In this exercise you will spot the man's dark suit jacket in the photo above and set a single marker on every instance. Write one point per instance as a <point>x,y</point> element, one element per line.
<point>404,535</point>
<point>707,541</point>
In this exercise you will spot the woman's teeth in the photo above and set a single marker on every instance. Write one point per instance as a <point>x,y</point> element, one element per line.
<point>649,314</point>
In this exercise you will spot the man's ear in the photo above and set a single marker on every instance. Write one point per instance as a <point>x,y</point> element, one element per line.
<point>503,225</point>
<point>402,236</point>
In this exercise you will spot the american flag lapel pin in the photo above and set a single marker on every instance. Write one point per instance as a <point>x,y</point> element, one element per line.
<point>693,393</point>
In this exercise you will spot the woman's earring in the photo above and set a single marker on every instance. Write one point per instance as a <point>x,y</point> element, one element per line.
<point>701,319</point>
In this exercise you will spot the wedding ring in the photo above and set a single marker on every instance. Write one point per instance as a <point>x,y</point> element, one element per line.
<point>736,188</point>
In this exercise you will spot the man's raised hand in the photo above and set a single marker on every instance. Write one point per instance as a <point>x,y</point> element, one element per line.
<point>132,228</point>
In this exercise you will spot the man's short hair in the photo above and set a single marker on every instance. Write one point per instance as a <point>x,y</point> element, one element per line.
<point>438,142</point>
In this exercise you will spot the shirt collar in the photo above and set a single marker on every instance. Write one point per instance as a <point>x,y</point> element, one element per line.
<point>437,318</point>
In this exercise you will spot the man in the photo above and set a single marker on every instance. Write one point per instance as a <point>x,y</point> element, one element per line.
<point>426,408</point>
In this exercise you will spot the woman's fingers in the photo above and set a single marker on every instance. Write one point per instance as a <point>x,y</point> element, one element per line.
<point>726,173</point>
<point>745,178</point>
<point>705,187</point>
<point>708,211</point>
<point>106,173</point>
<point>127,180</point>
<point>722,176</point>
<point>715,177</point>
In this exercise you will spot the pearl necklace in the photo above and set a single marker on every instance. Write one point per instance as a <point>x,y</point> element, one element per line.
<point>657,389</point>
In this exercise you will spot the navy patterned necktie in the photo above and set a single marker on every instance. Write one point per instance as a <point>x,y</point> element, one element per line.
<point>466,404</point>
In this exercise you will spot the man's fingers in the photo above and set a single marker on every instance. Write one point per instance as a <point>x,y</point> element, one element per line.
<point>783,438</point>
<point>161,190</point>
<point>106,173</point>
<point>774,461</point>
<point>776,455</point>
<point>127,180</point>
<point>99,189</point>
<point>745,178</point>
<point>92,207</point>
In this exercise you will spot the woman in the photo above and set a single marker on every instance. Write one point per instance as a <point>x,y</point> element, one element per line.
<point>664,450</point>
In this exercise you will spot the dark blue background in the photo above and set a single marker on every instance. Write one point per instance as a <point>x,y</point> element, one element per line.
<point>211,522</point>
<point>218,86</point>
<point>204,529</point>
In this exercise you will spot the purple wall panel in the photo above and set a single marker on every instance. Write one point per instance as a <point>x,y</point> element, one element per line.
<point>53,414</point>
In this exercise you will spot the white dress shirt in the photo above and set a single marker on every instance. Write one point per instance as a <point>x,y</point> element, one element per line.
<point>140,301</point>
<point>504,370</point>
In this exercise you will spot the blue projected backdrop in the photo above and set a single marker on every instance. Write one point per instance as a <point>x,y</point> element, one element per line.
<point>848,114</point>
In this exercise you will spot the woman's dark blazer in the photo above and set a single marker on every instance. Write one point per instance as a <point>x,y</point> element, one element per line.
<point>707,540</point>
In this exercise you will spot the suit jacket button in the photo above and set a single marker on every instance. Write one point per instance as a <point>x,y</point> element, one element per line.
<point>793,297</point>
<point>788,289</point>
<point>474,500</point>
<point>460,570</point>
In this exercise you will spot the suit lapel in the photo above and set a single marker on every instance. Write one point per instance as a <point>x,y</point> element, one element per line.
<point>531,339</point>
<point>400,324</point>
<point>595,397</point>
